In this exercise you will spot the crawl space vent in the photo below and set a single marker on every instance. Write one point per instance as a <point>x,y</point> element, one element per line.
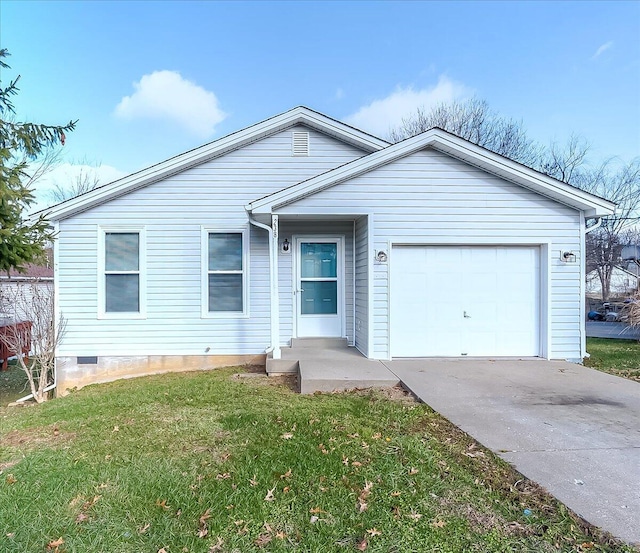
<point>300,144</point>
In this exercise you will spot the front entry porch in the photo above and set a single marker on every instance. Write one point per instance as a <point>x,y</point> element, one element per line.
<point>328,364</point>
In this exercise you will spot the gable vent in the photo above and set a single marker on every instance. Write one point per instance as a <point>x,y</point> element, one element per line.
<point>300,143</point>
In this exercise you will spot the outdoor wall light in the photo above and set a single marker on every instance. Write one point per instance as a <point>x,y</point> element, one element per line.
<point>568,257</point>
<point>285,247</point>
<point>381,257</point>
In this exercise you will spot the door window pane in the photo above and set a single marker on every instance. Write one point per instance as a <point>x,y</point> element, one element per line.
<point>122,293</point>
<point>121,251</point>
<point>319,298</point>
<point>225,292</point>
<point>225,252</point>
<point>318,260</point>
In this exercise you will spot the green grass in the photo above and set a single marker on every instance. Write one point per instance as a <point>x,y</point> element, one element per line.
<point>617,357</point>
<point>13,384</point>
<point>186,463</point>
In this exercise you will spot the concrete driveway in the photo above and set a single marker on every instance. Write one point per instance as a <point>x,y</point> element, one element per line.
<point>575,431</point>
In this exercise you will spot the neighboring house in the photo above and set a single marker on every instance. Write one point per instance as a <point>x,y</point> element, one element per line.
<point>19,286</point>
<point>623,283</point>
<point>303,226</point>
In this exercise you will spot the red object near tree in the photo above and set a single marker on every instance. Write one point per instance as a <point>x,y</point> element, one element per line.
<point>8,333</point>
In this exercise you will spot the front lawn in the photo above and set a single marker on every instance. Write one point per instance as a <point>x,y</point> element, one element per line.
<point>207,462</point>
<point>617,357</point>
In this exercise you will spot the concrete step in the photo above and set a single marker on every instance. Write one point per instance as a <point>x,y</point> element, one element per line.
<point>298,343</point>
<point>281,366</point>
<point>328,375</point>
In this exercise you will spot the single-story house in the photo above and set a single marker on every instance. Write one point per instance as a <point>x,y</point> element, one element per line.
<point>17,289</point>
<point>302,226</point>
<point>623,282</point>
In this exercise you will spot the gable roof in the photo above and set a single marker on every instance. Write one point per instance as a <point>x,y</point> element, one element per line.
<point>297,116</point>
<point>457,147</point>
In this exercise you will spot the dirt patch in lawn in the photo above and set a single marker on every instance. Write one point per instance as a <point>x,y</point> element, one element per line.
<point>31,438</point>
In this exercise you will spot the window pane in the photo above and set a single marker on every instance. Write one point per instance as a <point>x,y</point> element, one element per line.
<point>319,298</point>
<point>122,294</point>
<point>318,260</point>
<point>225,252</point>
<point>225,293</point>
<point>121,251</point>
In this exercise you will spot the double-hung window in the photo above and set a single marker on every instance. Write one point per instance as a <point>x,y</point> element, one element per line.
<point>121,287</point>
<point>225,282</point>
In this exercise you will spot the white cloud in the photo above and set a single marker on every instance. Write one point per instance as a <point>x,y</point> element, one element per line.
<point>67,175</point>
<point>339,94</point>
<point>381,115</point>
<point>167,95</point>
<point>602,49</point>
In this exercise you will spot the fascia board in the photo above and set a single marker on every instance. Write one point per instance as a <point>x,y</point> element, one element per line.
<point>199,155</point>
<point>347,171</point>
<point>456,147</point>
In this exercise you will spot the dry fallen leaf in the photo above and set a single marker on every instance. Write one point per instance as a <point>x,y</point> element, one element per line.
<point>413,470</point>
<point>205,516</point>
<point>143,529</point>
<point>163,504</point>
<point>269,496</point>
<point>316,510</point>
<point>263,539</point>
<point>345,461</point>
<point>374,532</point>
<point>314,519</point>
<point>82,517</point>
<point>286,489</point>
<point>11,479</point>
<point>253,481</point>
<point>362,546</point>
<point>286,474</point>
<point>223,476</point>
<point>396,494</point>
<point>217,546</point>
<point>55,543</point>
<point>116,429</point>
<point>362,506</point>
<point>356,464</point>
<point>162,550</point>
<point>280,535</point>
<point>439,524</point>
<point>415,516</point>
<point>287,436</point>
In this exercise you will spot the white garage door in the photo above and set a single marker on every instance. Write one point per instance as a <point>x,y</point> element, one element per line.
<point>465,301</point>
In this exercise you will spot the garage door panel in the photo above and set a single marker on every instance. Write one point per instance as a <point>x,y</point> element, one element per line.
<point>475,301</point>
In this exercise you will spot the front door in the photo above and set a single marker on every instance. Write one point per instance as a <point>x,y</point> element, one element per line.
<point>319,286</point>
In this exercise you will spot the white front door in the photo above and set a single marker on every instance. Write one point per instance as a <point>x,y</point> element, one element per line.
<point>319,286</point>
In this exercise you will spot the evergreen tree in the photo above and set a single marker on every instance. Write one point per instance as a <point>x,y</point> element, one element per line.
<point>22,240</point>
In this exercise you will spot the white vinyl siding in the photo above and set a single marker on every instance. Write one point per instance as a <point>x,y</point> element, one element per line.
<point>431,198</point>
<point>173,212</point>
<point>364,254</point>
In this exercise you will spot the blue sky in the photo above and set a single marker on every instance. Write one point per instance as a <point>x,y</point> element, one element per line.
<point>148,80</point>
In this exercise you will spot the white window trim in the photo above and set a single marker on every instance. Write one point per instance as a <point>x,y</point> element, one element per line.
<point>204,264</point>
<point>142,272</point>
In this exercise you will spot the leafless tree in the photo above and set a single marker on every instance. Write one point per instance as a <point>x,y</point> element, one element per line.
<point>33,302</point>
<point>85,181</point>
<point>475,121</point>
<point>619,183</point>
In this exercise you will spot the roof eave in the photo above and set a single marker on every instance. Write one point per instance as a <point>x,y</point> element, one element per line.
<point>233,141</point>
<point>591,205</point>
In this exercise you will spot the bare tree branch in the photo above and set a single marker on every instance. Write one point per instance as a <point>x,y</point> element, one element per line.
<point>32,301</point>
